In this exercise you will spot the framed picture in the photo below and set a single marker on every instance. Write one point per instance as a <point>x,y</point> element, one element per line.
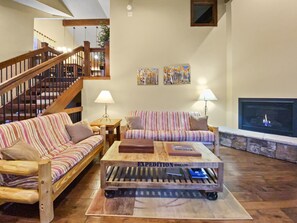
<point>204,13</point>
<point>147,76</point>
<point>177,74</point>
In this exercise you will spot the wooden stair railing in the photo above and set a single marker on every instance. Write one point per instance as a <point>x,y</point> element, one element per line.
<point>38,90</point>
<point>19,64</point>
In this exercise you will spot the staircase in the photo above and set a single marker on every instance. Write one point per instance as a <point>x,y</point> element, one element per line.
<point>35,99</point>
<point>45,86</point>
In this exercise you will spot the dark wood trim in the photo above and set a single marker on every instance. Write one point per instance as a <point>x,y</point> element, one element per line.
<point>32,72</point>
<point>97,49</point>
<point>96,78</point>
<point>64,99</point>
<point>107,66</point>
<point>85,22</point>
<point>87,64</point>
<point>214,4</point>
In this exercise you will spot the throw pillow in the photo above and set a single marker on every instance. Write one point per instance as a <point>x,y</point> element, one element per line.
<point>79,131</point>
<point>134,122</point>
<point>198,123</point>
<point>20,150</point>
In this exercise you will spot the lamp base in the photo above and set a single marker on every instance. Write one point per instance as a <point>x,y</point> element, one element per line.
<point>105,117</point>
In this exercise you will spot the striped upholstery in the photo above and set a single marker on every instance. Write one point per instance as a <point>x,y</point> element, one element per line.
<point>51,140</point>
<point>45,133</point>
<point>168,126</point>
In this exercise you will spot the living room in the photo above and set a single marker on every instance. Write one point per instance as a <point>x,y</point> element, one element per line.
<point>249,54</point>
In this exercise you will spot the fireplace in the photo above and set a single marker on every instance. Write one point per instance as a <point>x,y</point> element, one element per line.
<point>275,116</point>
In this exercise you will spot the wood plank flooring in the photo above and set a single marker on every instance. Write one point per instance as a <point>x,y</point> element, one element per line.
<point>266,187</point>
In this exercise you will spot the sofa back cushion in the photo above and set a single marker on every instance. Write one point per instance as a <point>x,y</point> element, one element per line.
<point>165,120</point>
<point>44,133</point>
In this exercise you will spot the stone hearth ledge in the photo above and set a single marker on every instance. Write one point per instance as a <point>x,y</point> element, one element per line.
<point>273,146</point>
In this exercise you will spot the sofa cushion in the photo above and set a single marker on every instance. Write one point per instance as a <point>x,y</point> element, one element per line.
<point>134,122</point>
<point>44,133</point>
<point>79,131</point>
<point>198,123</point>
<point>20,150</point>
<point>60,163</point>
<point>200,136</point>
<point>175,135</point>
<point>165,120</point>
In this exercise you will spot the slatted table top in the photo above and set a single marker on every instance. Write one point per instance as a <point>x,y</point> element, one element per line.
<point>160,154</point>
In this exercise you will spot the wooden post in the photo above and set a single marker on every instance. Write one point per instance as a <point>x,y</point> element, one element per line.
<point>87,61</point>
<point>106,65</point>
<point>46,206</point>
<point>217,141</point>
<point>45,54</point>
<point>103,133</point>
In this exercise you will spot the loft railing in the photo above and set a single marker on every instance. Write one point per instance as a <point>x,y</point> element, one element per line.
<point>27,93</point>
<point>17,65</point>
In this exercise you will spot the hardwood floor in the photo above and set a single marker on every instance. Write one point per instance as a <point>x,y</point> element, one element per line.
<point>267,188</point>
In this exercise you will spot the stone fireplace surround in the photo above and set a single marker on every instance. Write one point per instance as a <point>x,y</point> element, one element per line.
<point>273,146</point>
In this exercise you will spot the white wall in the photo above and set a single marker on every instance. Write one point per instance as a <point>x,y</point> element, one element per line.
<point>16,32</point>
<point>263,51</point>
<point>157,35</point>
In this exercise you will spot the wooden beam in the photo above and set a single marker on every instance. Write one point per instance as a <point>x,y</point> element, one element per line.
<point>85,22</point>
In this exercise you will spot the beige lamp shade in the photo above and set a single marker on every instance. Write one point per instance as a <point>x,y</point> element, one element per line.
<point>207,95</point>
<point>104,97</point>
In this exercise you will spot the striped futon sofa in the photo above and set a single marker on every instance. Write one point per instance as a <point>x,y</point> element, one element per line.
<point>61,161</point>
<point>171,126</point>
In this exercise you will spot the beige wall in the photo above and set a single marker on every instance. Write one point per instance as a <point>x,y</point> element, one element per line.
<point>157,35</point>
<point>55,30</point>
<point>16,32</point>
<point>263,51</point>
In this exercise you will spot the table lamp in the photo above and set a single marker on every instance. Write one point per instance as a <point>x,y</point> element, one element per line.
<point>105,98</point>
<point>207,95</point>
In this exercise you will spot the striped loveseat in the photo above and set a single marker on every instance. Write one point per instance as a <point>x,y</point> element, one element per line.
<point>61,161</point>
<point>171,126</point>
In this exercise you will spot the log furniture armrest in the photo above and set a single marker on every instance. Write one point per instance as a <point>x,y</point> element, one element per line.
<point>30,196</point>
<point>215,130</point>
<point>19,167</point>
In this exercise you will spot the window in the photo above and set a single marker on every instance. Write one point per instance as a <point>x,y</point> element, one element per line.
<point>204,13</point>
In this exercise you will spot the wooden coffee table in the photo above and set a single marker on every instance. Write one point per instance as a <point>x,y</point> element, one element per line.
<point>147,170</point>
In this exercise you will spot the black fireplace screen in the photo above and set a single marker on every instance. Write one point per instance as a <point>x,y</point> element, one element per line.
<point>276,116</point>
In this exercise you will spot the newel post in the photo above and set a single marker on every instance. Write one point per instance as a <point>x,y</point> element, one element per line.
<point>87,62</point>
<point>106,52</point>
<point>45,54</point>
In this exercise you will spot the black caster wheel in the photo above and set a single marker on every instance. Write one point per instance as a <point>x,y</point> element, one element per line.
<point>109,193</point>
<point>212,196</point>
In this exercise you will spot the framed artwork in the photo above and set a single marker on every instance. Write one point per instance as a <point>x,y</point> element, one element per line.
<point>147,76</point>
<point>204,13</point>
<point>177,74</point>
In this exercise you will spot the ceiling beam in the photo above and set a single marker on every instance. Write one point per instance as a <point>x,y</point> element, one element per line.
<point>85,22</point>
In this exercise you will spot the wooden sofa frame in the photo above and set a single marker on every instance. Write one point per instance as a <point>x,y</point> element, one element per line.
<point>46,192</point>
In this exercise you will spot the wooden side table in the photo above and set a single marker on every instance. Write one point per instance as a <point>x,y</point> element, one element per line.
<point>111,125</point>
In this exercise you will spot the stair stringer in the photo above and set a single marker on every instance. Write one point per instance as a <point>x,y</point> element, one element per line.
<point>59,105</point>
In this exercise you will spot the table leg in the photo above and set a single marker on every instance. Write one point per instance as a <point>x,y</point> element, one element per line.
<point>110,136</point>
<point>119,132</point>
